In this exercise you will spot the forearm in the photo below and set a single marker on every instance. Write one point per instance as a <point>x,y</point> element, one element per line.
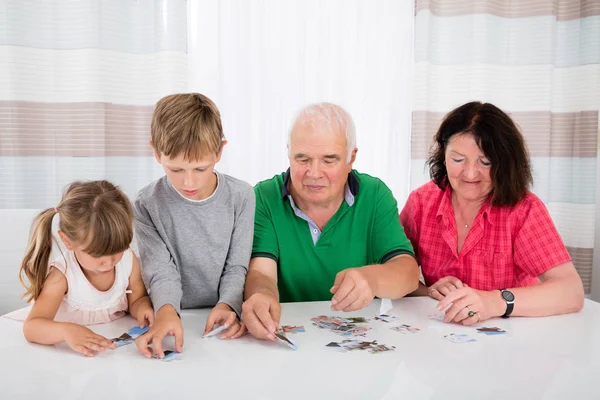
<point>394,279</point>
<point>163,283</point>
<point>231,287</point>
<point>257,282</point>
<point>44,331</point>
<point>141,303</point>
<point>422,290</point>
<point>560,296</point>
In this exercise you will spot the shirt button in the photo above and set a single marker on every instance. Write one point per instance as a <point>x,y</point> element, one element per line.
<point>314,231</point>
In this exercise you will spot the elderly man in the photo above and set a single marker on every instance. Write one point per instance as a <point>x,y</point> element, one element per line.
<point>322,228</point>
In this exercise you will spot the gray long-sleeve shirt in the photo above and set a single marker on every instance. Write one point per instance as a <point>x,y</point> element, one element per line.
<point>195,253</point>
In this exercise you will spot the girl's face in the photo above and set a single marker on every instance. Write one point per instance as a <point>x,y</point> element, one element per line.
<point>94,265</point>
<point>99,265</point>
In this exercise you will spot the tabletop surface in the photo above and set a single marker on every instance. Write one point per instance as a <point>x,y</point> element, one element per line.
<point>538,358</point>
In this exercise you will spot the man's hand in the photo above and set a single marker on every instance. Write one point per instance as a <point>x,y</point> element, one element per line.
<point>352,289</point>
<point>261,314</point>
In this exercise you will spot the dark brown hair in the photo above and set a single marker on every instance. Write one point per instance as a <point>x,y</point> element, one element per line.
<point>96,215</point>
<point>188,124</point>
<point>498,138</point>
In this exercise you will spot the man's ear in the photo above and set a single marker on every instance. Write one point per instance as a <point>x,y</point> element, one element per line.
<point>220,153</point>
<point>65,240</point>
<point>156,155</point>
<point>353,156</point>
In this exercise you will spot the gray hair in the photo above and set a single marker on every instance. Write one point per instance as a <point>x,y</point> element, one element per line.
<point>330,115</point>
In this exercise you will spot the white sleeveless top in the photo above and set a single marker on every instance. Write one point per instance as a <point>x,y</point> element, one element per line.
<point>84,304</point>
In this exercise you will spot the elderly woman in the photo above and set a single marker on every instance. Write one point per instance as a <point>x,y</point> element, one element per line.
<point>487,245</point>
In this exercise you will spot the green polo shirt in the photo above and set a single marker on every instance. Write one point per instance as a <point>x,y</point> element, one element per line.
<point>365,230</point>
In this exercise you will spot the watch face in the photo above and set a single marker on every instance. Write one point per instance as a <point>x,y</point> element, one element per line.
<point>508,296</point>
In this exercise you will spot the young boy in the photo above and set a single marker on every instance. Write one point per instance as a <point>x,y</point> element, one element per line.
<point>194,226</point>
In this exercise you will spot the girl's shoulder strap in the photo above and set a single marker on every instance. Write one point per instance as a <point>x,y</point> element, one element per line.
<point>126,263</point>
<point>59,259</point>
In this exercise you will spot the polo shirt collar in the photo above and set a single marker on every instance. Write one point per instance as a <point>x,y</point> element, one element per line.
<point>351,189</point>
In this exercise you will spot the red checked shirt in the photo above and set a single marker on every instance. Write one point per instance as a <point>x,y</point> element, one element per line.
<point>506,247</point>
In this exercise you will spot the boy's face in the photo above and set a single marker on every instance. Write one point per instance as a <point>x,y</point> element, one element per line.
<point>195,180</point>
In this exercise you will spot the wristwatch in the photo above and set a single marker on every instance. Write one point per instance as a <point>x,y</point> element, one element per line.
<point>509,298</point>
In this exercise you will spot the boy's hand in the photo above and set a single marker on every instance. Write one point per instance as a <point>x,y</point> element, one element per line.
<point>145,315</point>
<point>223,315</point>
<point>167,322</point>
<point>84,341</point>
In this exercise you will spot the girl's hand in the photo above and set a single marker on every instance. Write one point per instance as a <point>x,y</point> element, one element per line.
<point>145,315</point>
<point>84,341</point>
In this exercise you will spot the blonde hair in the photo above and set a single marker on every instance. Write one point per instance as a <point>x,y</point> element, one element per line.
<point>188,124</point>
<point>95,215</point>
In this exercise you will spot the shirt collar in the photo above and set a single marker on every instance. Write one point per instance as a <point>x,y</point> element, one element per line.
<point>350,190</point>
<point>446,205</point>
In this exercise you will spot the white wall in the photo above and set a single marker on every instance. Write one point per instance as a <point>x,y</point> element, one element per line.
<point>14,231</point>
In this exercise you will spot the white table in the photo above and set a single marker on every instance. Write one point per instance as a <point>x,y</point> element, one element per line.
<point>544,358</point>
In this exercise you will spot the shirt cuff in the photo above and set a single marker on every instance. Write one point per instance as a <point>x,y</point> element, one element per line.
<point>235,302</point>
<point>161,299</point>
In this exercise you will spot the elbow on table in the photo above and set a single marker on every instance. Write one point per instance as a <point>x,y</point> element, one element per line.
<point>27,332</point>
<point>414,277</point>
<point>578,300</point>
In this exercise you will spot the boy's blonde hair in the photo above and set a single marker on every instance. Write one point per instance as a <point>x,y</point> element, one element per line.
<point>95,215</point>
<point>188,124</point>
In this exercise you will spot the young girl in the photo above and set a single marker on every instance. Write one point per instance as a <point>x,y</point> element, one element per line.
<point>95,280</point>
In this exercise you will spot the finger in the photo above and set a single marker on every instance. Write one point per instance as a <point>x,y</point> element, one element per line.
<point>232,330</point>
<point>93,346</point>
<point>434,293</point>
<point>231,320</point>
<point>443,289</point>
<point>452,287</point>
<point>178,333</point>
<point>451,298</point>
<point>150,318</point>
<point>339,278</point>
<point>352,297</point>
<point>265,318</point>
<point>356,305</point>
<point>142,344</point>
<point>275,310</point>
<point>256,327</point>
<point>210,323</point>
<point>241,332</point>
<point>472,321</point>
<point>157,343</point>
<point>84,350</point>
<point>458,311</point>
<point>102,341</point>
<point>456,282</point>
<point>142,321</point>
<point>345,288</point>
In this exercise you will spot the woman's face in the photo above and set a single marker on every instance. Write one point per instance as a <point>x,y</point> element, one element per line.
<point>468,168</point>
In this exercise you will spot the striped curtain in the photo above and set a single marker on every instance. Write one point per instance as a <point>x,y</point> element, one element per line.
<point>539,60</point>
<point>78,81</point>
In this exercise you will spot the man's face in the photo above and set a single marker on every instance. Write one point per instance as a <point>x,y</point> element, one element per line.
<point>318,164</point>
